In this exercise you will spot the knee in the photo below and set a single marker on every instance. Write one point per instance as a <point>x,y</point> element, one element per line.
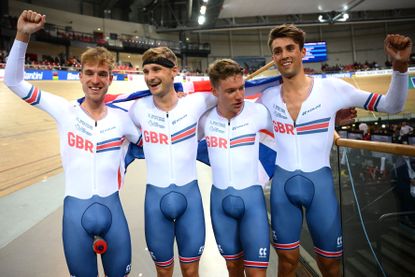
<point>289,257</point>
<point>235,267</point>
<point>164,271</point>
<point>190,270</point>
<point>329,266</point>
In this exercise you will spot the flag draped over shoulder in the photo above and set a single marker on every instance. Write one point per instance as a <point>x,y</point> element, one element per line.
<point>253,90</point>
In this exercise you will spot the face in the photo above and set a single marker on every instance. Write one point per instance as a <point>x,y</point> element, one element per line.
<point>287,55</point>
<point>230,93</point>
<point>95,80</point>
<point>159,79</point>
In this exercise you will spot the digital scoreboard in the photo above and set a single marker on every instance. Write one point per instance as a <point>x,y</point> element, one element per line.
<point>315,52</point>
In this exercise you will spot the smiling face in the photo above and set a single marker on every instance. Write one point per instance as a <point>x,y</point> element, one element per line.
<point>95,79</point>
<point>230,93</point>
<point>287,56</point>
<point>159,79</point>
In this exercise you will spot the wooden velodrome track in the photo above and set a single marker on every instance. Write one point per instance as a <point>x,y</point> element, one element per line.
<point>29,143</point>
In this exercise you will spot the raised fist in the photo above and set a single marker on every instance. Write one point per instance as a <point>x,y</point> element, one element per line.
<point>30,22</point>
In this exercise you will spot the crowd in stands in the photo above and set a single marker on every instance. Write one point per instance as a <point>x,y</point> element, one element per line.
<point>351,67</point>
<point>399,132</point>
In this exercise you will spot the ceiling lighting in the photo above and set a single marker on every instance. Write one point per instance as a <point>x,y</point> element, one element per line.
<point>205,1</point>
<point>203,9</point>
<point>344,17</point>
<point>201,20</point>
<point>321,18</point>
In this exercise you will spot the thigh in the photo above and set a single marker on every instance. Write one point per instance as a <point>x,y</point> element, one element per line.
<point>117,259</point>
<point>225,228</point>
<point>254,228</point>
<point>323,216</point>
<point>286,218</point>
<point>190,226</point>
<point>77,243</point>
<point>159,230</point>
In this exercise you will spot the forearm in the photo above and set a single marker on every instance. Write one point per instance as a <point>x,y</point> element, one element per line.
<point>14,70</point>
<point>394,100</point>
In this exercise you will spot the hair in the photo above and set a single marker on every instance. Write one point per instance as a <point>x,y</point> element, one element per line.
<point>222,69</point>
<point>159,52</point>
<point>287,31</point>
<point>98,55</point>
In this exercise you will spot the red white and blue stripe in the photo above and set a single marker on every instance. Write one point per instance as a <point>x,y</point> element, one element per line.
<point>234,257</point>
<point>166,263</point>
<point>312,127</point>
<point>255,264</point>
<point>286,246</point>
<point>33,97</point>
<point>372,102</point>
<point>328,254</point>
<point>189,259</point>
<point>109,145</point>
<point>244,140</point>
<point>184,134</point>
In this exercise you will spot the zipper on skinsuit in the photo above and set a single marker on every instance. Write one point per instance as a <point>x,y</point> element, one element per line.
<point>171,164</point>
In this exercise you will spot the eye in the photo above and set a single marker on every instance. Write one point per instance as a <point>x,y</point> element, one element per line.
<point>103,74</point>
<point>276,51</point>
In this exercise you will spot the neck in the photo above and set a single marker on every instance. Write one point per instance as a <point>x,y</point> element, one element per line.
<point>166,102</point>
<point>95,110</point>
<point>296,85</point>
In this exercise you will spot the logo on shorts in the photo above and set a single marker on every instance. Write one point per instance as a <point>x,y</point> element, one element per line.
<point>201,249</point>
<point>220,248</point>
<point>152,255</point>
<point>339,241</point>
<point>262,252</point>
<point>128,269</point>
<point>274,235</point>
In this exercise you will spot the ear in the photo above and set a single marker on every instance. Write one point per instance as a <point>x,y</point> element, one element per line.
<point>111,77</point>
<point>215,91</point>
<point>303,52</point>
<point>175,70</point>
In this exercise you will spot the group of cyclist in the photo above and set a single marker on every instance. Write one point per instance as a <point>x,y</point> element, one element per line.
<point>300,112</point>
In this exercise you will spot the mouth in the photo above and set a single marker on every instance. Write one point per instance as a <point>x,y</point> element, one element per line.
<point>238,105</point>
<point>154,86</point>
<point>286,63</point>
<point>95,89</point>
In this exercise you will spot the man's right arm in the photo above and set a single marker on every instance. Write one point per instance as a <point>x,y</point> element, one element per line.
<point>14,71</point>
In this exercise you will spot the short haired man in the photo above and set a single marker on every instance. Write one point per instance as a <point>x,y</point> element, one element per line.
<point>238,210</point>
<point>303,111</point>
<point>173,205</point>
<point>92,138</point>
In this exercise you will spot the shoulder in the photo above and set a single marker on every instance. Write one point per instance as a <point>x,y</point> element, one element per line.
<point>271,92</point>
<point>255,109</point>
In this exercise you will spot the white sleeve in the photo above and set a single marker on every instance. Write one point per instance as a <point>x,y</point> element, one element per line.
<point>392,102</point>
<point>263,118</point>
<point>132,133</point>
<point>209,100</point>
<point>133,113</point>
<point>13,78</point>
<point>201,126</point>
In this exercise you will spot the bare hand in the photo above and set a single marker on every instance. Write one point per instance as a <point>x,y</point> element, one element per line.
<point>399,49</point>
<point>30,22</point>
<point>345,116</point>
<point>181,94</point>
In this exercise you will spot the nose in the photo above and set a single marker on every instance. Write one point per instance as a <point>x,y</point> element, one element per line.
<point>95,78</point>
<point>241,94</point>
<point>149,76</point>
